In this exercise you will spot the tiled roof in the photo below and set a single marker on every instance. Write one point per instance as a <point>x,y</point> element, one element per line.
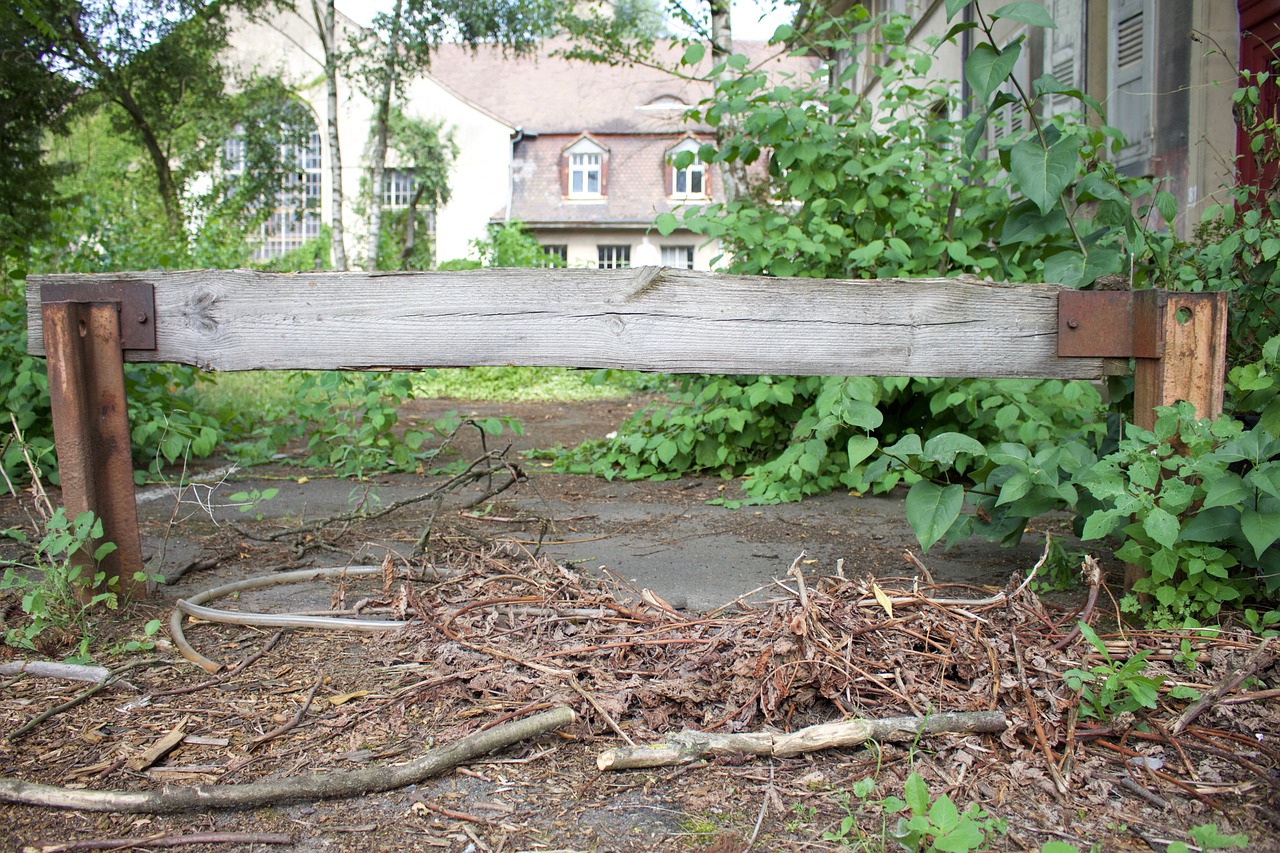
<point>635,181</point>
<point>542,93</point>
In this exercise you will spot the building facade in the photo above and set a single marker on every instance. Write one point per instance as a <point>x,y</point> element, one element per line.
<point>583,154</point>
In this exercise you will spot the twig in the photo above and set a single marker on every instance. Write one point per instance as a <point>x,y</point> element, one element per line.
<point>73,702</point>
<point>226,674</point>
<point>169,800</point>
<point>245,838</point>
<point>1232,680</point>
<point>1029,700</point>
<point>608,718</point>
<point>293,723</point>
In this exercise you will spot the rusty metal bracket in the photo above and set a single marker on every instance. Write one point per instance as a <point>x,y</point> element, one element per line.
<point>1111,324</point>
<point>135,303</point>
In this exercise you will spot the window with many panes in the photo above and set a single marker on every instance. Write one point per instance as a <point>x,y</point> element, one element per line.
<point>397,188</point>
<point>613,257</point>
<point>680,257</point>
<point>558,251</point>
<point>295,218</point>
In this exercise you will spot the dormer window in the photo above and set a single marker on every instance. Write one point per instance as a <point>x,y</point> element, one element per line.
<point>584,174</point>
<point>584,170</point>
<point>687,174</point>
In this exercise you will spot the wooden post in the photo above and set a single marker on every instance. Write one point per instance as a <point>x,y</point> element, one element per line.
<point>1190,332</point>
<point>91,431</point>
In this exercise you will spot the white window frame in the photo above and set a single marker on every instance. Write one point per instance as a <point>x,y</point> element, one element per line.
<point>613,256</point>
<point>586,170</point>
<point>678,257</point>
<point>295,219</point>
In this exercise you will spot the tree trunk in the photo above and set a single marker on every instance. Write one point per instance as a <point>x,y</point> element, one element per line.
<point>732,173</point>
<point>328,38</point>
<point>378,158</point>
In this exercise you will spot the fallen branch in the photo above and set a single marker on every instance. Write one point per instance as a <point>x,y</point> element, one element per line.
<point>76,700</point>
<point>53,669</point>
<point>689,746</point>
<point>247,838</point>
<point>1232,680</point>
<point>289,789</point>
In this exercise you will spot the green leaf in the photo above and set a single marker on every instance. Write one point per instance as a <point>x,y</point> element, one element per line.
<point>908,445</point>
<point>856,413</point>
<point>1161,526</point>
<point>944,447</point>
<point>860,447</point>
<point>916,793</point>
<point>955,7</point>
<point>932,509</point>
<point>987,68</point>
<point>1167,205</point>
<point>666,223</point>
<point>1043,174</point>
<point>1262,529</point>
<point>1027,13</point>
<point>667,451</point>
<point>693,53</point>
<point>1212,525</point>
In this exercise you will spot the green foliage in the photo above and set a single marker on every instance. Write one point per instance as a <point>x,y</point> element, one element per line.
<point>1113,687</point>
<point>350,419</point>
<point>929,824</point>
<point>59,591</point>
<point>24,390</point>
<point>252,499</point>
<point>517,384</point>
<point>893,186</point>
<point>1198,503</point>
<point>1205,836</point>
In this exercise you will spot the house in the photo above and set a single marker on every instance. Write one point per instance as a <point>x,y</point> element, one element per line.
<point>581,153</point>
<point>1164,72</point>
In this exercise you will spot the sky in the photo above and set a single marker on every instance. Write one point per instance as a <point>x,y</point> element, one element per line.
<point>747,15</point>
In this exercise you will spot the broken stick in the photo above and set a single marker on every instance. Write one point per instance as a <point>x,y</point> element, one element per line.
<point>689,746</point>
<point>289,789</point>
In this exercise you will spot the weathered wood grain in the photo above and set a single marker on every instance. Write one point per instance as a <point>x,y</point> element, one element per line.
<point>646,319</point>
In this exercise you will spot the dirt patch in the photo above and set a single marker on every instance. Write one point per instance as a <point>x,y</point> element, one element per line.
<point>516,614</point>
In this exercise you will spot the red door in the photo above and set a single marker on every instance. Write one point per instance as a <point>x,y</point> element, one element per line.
<point>1260,51</point>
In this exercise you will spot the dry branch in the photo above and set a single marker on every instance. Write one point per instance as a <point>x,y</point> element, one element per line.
<point>169,799</point>
<point>689,746</point>
<point>245,838</point>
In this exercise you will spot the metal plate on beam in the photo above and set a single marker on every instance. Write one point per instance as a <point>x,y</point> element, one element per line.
<point>135,301</point>
<point>1109,324</point>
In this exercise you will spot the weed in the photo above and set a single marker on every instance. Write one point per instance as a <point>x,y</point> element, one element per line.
<point>938,825</point>
<point>1112,687</point>
<point>57,592</point>
<point>251,500</point>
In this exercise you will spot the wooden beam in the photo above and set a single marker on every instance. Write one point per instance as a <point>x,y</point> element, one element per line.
<point>1191,333</point>
<point>648,318</point>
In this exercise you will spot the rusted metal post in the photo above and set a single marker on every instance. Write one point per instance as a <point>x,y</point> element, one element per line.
<point>1190,331</point>
<point>91,429</point>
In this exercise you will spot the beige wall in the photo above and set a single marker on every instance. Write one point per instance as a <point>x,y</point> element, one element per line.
<point>480,182</point>
<point>289,46</point>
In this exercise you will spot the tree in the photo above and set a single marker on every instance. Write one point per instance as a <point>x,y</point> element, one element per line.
<point>156,60</point>
<point>33,102</point>
<point>426,151</point>
<point>324,21</point>
<point>401,43</point>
